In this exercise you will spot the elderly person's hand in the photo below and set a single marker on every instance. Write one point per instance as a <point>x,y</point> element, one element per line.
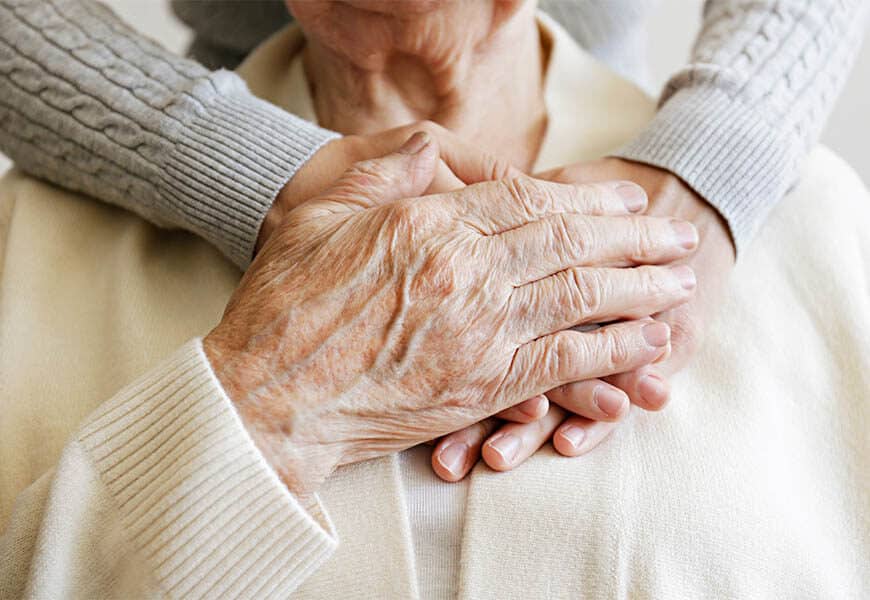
<point>582,414</point>
<point>712,263</point>
<point>467,164</point>
<point>372,321</point>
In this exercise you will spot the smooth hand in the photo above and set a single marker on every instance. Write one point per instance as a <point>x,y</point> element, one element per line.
<point>373,320</point>
<point>580,415</point>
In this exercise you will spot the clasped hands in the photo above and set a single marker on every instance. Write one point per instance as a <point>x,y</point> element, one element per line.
<point>407,316</point>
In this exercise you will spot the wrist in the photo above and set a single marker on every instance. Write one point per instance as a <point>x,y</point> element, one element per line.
<point>312,178</point>
<point>299,460</point>
<point>270,224</point>
<point>671,196</point>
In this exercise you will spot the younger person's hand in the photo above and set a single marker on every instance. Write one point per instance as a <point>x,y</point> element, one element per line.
<point>460,164</point>
<point>411,316</point>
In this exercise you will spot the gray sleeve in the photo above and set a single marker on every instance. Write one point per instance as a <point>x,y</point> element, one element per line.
<point>93,106</point>
<point>227,30</point>
<point>736,122</point>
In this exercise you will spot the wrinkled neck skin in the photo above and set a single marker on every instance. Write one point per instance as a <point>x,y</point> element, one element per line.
<point>476,67</point>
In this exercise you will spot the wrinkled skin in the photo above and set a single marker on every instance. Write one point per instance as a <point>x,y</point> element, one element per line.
<point>573,417</point>
<point>468,165</point>
<point>373,320</point>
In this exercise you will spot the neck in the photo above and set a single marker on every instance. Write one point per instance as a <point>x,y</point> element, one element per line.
<point>486,86</point>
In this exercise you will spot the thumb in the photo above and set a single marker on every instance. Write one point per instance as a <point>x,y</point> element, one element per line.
<point>472,165</point>
<point>404,173</point>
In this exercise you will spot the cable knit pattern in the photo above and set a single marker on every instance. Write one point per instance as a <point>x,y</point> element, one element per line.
<point>87,103</point>
<point>91,105</point>
<point>737,121</point>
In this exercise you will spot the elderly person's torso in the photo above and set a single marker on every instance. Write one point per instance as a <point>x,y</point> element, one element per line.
<point>748,485</point>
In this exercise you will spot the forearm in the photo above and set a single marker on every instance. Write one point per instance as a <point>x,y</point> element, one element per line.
<point>736,122</point>
<point>162,487</point>
<point>91,105</point>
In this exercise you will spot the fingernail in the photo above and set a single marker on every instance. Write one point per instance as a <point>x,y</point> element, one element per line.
<point>632,195</point>
<point>415,143</point>
<point>652,389</point>
<point>687,235</point>
<point>532,408</point>
<point>574,435</point>
<point>657,334</point>
<point>609,400</point>
<point>686,276</point>
<point>507,446</point>
<point>452,457</point>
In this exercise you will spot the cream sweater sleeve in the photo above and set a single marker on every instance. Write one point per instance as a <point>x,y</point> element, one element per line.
<point>162,493</point>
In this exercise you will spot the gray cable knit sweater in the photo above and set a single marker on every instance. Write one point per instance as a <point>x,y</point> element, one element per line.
<point>90,104</point>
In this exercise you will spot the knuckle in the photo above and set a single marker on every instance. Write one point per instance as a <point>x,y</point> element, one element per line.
<point>560,237</point>
<point>654,283</point>
<point>519,189</point>
<point>644,243</point>
<point>588,290</point>
<point>574,236</point>
<point>592,196</point>
<point>571,197</point>
<point>618,351</point>
<point>534,198</point>
<point>567,358</point>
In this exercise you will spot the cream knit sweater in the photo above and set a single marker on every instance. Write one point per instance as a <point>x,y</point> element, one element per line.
<point>754,482</point>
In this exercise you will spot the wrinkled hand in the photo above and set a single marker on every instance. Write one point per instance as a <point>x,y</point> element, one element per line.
<point>712,263</point>
<point>578,416</point>
<point>373,320</point>
<point>467,165</point>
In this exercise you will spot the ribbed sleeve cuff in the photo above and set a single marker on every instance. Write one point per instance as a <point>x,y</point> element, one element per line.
<point>194,494</point>
<point>230,162</point>
<point>724,150</point>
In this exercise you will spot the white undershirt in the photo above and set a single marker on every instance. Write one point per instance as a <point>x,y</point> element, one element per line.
<point>436,512</point>
<point>436,509</point>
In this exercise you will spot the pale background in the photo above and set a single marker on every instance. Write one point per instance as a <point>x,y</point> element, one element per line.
<point>672,30</point>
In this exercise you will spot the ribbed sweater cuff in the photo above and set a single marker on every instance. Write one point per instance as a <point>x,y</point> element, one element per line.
<point>724,150</point>
<point>194,494</point>
<point>230,162</point>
